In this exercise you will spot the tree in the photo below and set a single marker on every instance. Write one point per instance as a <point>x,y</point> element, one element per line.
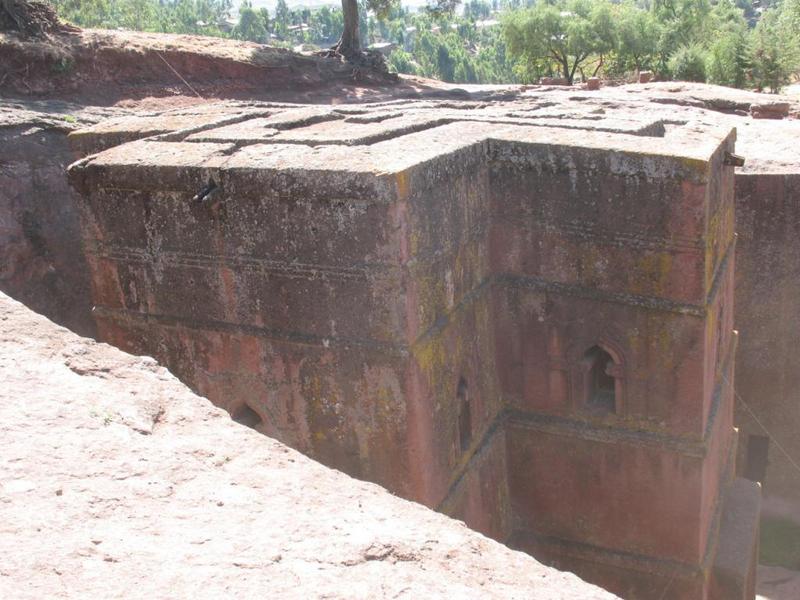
<point>138,15</point>
<point>87,13</point>
<point>688,63</point>
<point>566,32</point>
<point>28,18</point>
<point>774,51</point>
<point>683,22</point>
<point>251,24</point>
<point>281,19</point>
<point>727,48</point>
<point>638,33</point>
<point>791,14</point>
<point>349,44</point>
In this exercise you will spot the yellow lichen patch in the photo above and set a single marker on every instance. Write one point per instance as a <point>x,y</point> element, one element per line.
<point>589,263</point>
<point>431,355</point>
<point>402,181</point>
<point>699,166</point>
<point>719,235</point>
<point>432,295</point>
<point>414,242</point>
<point>654,269</point>
<point>712,234</point>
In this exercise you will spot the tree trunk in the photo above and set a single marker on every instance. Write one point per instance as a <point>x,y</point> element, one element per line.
<point>565,70</point>
<point>10,16</point>
<point>597,68</point>
<point>350,43</point>
<point>29,18</point>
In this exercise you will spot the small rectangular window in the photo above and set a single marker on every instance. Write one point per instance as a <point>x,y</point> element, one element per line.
<point>757,458</point>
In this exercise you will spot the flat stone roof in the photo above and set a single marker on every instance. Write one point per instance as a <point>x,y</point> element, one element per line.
<point>378,140</point>
<point>673,119</point>
<point>117,481</point>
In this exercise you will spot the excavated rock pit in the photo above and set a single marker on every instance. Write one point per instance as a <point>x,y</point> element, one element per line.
<point>765,194</point>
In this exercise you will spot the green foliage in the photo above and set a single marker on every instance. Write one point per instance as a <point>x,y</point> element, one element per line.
<point>87,13</point>
<point>565,34</point>
<point>727,59</point>
<point>281,19</point>
<point>638,36</point>
<point>683,21</point>
<point>726,42</point>
<point>381,8</point>
<point>477,9</point>
<point>325,25</point>
<point>401,61</point>
<point>791,14</point>
<point>688,63</point>
<point>774,50</point>
<point>447,47</point>
<point>169,16</point>
<point>251,25</point>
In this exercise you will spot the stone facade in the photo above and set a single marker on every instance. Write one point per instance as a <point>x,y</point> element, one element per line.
<point>522,321</point>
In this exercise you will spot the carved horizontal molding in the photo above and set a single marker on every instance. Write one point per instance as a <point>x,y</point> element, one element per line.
<point>587,231</point>
<point>174,258</point>
<point>270,333</point>
<point>618,434</point>
<point>607,556</point>
<point>568,289</point>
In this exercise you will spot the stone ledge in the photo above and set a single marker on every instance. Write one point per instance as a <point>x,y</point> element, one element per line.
<point>117,481</point>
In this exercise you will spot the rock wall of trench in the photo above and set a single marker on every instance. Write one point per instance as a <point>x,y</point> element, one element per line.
<point>41,260</point>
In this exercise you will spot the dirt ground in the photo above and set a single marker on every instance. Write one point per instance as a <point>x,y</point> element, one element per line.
<point>156,71</point>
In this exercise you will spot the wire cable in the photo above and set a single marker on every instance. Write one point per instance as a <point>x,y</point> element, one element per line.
<point>760,424</point>
<point>179,75</point>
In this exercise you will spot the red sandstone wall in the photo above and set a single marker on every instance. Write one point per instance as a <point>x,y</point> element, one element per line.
<point>632,274</point>
<point>766,315</point>
<point>448,300</point>
<point>606,493</point>
<point>584,262</point>
<point>642,580</point>
<point>41,262</point>
<point>280,300</point>
<point>480,497</point>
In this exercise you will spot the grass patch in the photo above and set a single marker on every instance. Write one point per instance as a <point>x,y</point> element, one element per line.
<point>780,543</point>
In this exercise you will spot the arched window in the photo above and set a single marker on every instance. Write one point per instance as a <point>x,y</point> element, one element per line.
<point>464,415</point>
<point>601,385</point>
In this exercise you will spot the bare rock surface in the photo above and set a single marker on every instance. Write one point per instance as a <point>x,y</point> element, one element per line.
<point>52,115</point>
<point>117,481</point>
